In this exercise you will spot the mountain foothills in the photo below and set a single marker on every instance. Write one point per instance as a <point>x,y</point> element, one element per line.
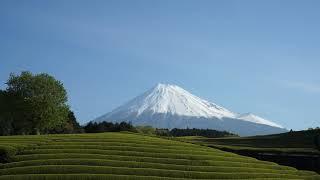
<point>299,149</point>
<point>170,106</point>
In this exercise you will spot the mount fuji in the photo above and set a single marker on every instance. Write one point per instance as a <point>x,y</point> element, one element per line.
<point>170,106</point>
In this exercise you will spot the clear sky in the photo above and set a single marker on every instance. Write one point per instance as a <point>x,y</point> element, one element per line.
<point>248,56</point>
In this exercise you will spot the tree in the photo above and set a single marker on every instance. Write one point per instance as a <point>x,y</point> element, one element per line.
<point>38,102</point>
<point>5,120</point>
<point>317,141</point>
<point>199,132</point>
<point>94,127</point>
<point>69,127</point>
<point>76,128</point>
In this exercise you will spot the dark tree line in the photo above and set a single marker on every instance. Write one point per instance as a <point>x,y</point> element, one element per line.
<point>194,132</point>
<point>94,127</point>
<point>317,141</point>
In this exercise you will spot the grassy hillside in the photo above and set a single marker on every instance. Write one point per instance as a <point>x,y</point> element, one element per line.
<point>128,156</point>
<point>298,149</point>
<point>303,142</point>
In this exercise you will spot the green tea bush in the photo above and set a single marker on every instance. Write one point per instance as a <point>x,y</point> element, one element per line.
<point>140,154</point>
<point>132,164</point>
<point>70,169</point>
<point>82,177</point>
<point>184,162</point>
<point>6,152</point>
<point>140,149</point>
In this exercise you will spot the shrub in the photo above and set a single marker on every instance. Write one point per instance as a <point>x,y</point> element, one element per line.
<point>185,162</point>
<point>146,130</point>
<point>6,152</point>
<point>223,167</point>
<point>82,177</point>
<point>73,169</point>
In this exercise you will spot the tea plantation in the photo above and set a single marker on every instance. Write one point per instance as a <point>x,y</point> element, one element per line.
<point>128,156</point>
<point>303,142</point>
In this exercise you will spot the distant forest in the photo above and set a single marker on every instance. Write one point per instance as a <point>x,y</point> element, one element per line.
<point>94,127</point>
<point>194,132</point>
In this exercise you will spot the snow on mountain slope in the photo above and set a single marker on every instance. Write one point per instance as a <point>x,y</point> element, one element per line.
<point>174,100</point>
<point>256,119</point>
<point>170,106</point>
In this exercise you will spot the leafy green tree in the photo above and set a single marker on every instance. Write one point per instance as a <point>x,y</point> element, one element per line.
<point>70,126</point>
<point>5,120</point>
<point>38,102</point>
<point>72,121</point>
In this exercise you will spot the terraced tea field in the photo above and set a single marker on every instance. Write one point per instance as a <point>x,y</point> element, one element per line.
<point>128,156</point>
<point>298,149</point>
<point>302,142</point>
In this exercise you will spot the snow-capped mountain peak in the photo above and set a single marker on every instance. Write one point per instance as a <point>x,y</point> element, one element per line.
<point>170,106</point>
<point>172,99</point>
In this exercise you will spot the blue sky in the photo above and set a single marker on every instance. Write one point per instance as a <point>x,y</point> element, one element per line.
<point>248,56</point>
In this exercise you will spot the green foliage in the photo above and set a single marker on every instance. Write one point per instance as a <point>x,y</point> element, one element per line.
<point>82,177</point>
<point>22,160</point>
<point>34,104</point>
<point>132,164</point>
<point>295,141</point>
<point>317,141</point>
<point>68,127</point>
<point>194,132</point>
<point>72,124</point>
<point>70,169</point>
<point>146,130</point>
<point>5,114</point>
<point>130,156</point>
<point>6,152</point>
<point>94,127</point>
<point>299,149</point>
